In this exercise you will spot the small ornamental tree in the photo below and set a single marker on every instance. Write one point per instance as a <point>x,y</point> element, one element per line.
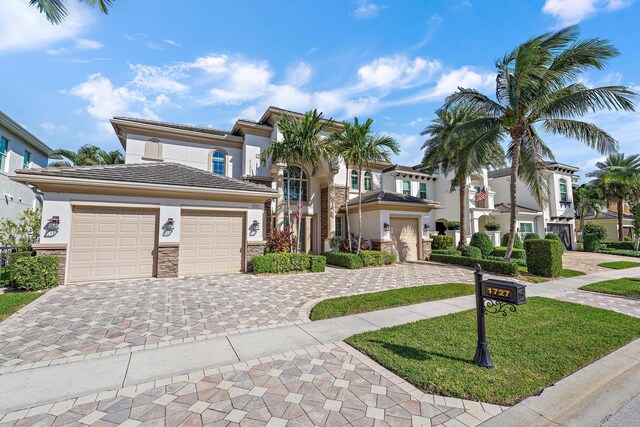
<point>599,230</point>
<point>25,231</point>
<point>517,243</point>
<point>482,241</point>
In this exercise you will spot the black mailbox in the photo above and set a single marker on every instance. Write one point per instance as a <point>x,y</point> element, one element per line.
<point>502,290</point>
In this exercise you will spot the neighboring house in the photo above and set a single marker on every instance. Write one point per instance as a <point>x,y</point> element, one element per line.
<point>608,217</point>
<point>19,149</point>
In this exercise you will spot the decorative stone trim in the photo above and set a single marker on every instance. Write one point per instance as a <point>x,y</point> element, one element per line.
<point>58,250</point>
<point>324,214</point>
<point>254,249</point>
<point>168,260</point>
<point>381,245</point>
<point>426,248</point>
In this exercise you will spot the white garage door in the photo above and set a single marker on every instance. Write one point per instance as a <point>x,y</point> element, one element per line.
<point>112,243</point>
<point>210,242</point>
<point>404,238</point>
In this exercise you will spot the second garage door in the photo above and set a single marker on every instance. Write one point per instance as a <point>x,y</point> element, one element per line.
<point>112,243</point>
<point>404,238</point>
<point>211,242</point>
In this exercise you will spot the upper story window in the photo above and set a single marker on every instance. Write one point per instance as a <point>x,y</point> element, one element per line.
<point>26,160</point>
<point>4,149</point>
<point>355,180</point>
<point>423,190</point>
<point>406,188</point>
<point>368,181</point>
<point>218,162</point>
<point>293,179</point>
<point>153,150</point>
<point>564,196</point>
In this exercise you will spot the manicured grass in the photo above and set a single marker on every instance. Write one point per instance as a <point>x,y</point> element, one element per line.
<point>13,301</point>
<point>566,272</point>
<point>619,265</point>
<point>343,306</point>
<point>627,286</point>
<point>543,342</point>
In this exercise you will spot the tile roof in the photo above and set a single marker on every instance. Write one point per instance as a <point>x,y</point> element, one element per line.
<point>386,196</point>
<point>200,129</point>
<point>150,173</point>
<point>499,173</point>
<point>608,214</point>
<point>506,208</point>
<point>404,168</point>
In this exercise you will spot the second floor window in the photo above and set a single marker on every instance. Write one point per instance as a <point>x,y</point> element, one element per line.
<point>355,180</point>
<point>26,160</point>
<point>423,190</point>
<point>406,188</point>
<point>564,196</point>
<point>368,181</point>
<point>294,181</point>
<point>218,163</point>
<point>4,148</point>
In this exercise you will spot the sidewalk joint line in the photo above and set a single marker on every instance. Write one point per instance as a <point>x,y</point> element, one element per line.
<point>126,372</point>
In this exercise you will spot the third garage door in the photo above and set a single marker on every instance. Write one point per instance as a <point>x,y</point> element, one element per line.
<point>211,242</point>
<point>404,238</point>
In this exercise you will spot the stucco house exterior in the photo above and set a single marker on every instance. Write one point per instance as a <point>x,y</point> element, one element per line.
<point>608,217</point>
<point>19,149</point>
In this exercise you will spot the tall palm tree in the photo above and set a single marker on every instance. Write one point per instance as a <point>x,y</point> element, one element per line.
<point>56,11</point>
<point>360,147</point>
<point>460,153</point>
<point>88,155</point>
<point>619,176</point>
<point>113,157</point>
<point>588,198</point>
<point>537,89</point>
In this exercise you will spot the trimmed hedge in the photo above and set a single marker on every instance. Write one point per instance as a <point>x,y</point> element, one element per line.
<point>288,262</point>
<point>599,230</point>
<point>377,258</point>
<point>482,241</point>
<point>625,245</point>
<point>621,252</point>
<point>32,273</point>
<point>500,267</point>
<point>531,236</point>
<point>517,244</point>
<point>344,259</point>
<point>552,236</point>
<point>544,257</point>
<point>446,252</point>
<point>471,252</point>
<point>520,262</point>
<point>515,253</point>
<point>443,242</point>
<point>591,243</point>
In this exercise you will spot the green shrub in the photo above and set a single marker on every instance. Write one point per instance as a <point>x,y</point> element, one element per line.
<point>621,252</point>
<point>627,239</point>
<point>531,236</point>
<point>344,259</point>
<point>517,244</point>
<point>34,273</point>
<point>552,236</point>
<point>500,267</point>
<point>492,226</point>
<point>372,258</point>
<point>499,251</point>
<point>471,252</point>
<point>389,258</point>
<point>544,257</point>
<point>626,246</point>
<point>446,252</point>
<point>286,262</point>
<point>520,261</point>
<point>452,225</point>
<point>15,255</point>
<point>317,263</point>
<point>591,243</point>
<point>482,241</point>
<point>443,242</point>
<point>599,230</point>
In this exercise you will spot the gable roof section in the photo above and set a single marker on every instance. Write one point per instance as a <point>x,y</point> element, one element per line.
<point>24,134</point>
<point>392,198</point>
<point>506,208</point>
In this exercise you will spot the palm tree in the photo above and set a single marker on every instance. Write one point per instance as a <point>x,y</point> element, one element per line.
<point>619,176</point>
<point>113,157</point>
<point>56,11</point>
<point>537,88</point>
<point>360,147</point>
<point>588,198</point>
<point>88,155</point>
<point>459,153</point>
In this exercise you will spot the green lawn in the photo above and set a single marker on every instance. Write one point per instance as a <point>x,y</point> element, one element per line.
<point>566,272</point>
<point>619,265</point>
<point>343,306</point>
<point>627,286</point>
<point>543,342</point>
<point>13,301</point>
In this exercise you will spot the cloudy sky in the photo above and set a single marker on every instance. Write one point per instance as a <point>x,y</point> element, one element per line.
<point>208,63</point>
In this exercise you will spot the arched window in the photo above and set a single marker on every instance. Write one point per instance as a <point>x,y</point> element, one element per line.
<point>355,180</point>
<point>293,179</point>
<point>564,196</point>
<point>368,181</point>
<point>218,162</point>
<point>153,150</point>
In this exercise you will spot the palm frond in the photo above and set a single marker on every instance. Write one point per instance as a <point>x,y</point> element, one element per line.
<point>588,133</point>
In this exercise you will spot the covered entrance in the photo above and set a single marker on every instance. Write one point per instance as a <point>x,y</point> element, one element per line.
<point>563,231</point>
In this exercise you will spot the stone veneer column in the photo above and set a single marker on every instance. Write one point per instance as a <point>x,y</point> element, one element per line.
<point>325,218</point>
<point>58,250</point>
<point>426,248</point>
<point>168,260</point>
<point>253,249</point>
<point>381,245</point>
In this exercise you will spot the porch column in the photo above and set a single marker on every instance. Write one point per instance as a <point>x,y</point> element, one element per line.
<point>280,212</point>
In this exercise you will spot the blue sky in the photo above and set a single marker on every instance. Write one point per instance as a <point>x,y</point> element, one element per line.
<point>210,62</point>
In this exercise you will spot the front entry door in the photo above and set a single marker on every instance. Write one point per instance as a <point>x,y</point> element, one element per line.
<point>564,232</point>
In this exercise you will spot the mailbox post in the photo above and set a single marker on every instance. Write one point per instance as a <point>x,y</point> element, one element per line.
<point>493,296</point>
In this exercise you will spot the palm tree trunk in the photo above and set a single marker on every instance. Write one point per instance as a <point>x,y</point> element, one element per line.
<point>346,207</point>
<point>289,207</point>
<point>359,210</point>
<point>299,210</point>
<point>620,219</point>
<point>513,186</point>
<point>462,183</point>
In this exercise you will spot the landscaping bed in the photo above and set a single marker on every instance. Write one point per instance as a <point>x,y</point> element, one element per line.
<point>281,263</point>
<point>344,306</point>
<point>619,265</point>
<point>11,302</point>
<point>627,287</point>
<point>542,343</point>
<point>363,259</point>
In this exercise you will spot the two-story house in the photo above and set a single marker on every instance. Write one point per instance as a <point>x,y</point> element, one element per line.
<point>19,149</point>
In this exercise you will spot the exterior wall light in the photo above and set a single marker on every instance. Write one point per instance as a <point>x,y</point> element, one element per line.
<point>170,224</point>
<point>386,226</point>
<point>256,225</point>
<point>426,227</point>
<point>53,223</point>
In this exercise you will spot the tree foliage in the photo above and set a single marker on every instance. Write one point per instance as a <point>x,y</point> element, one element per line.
<point>87,155</point>
<point>24,231</point>
<point>55,10</point>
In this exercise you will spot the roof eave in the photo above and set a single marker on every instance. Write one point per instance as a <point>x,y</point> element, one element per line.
<point>15,128</point>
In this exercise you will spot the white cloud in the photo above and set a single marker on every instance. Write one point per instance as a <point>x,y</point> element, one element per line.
<point>57,52</point>
<point>172,43</point>
<point>158,79</point>
<point>397,71</point>
<point>573,11</point>
<point>86,44</point>
<point>367,9</point>
<point>24,27</point>
<point>105,100</point>
<point>299,75</point>
<point>410,145</point>
<point>52,128</point>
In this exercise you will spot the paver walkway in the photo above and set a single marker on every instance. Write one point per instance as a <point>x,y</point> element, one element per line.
<point>587,262</point>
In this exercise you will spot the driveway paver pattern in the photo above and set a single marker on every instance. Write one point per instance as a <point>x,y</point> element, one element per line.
<point>587,262</point>
<point>331,384</point>
<point>73,322</point>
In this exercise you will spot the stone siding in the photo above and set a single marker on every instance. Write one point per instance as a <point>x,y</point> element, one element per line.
<point>57,251</point>
<point>426,248</point>
<point>381,245</point>
<point>168,260</point>
<point>253,249</point>
<point>324,215</point>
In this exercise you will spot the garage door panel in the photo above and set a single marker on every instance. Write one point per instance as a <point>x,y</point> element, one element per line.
<point>404,238</point>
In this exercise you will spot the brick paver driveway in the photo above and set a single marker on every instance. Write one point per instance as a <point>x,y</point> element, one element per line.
<point>73,322</point>
<point>587,262</point>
